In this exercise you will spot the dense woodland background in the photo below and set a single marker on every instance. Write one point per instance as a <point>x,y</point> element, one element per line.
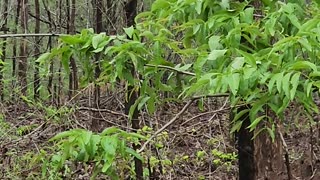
<point>156,89</point>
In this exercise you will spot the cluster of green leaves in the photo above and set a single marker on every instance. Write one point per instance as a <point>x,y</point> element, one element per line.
<point>103,150</point>
<point>266,57</point>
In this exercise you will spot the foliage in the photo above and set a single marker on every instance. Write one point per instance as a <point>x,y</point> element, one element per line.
<point>102,150</point>
<point>266,58</point>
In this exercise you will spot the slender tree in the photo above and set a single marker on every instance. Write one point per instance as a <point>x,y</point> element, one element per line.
<point>132,94</point>
<point>14,49</point>
<point>96,97</point>
<point>37,50</point>
<point>73,77</point>
<point>22,65</point>
<point>4,45</point>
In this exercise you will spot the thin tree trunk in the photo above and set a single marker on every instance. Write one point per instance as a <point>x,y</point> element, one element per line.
<point>22,65</point>
<point>130,9</point>
<point>14,49</point>
<point>37,50</point>
<point>4,46</point>
<point>60,82</point>
<point>50,80</point>
<point>96,98</point>
<point>73,77</point>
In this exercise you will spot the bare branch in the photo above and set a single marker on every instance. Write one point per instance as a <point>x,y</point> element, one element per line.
<point>29,35</point>
<point>166,125</point>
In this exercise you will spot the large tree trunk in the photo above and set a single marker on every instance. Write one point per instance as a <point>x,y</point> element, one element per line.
<point>259,158</point>
<point>268,155</point>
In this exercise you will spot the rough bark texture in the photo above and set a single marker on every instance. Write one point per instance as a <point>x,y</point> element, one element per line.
<point>269,156</point>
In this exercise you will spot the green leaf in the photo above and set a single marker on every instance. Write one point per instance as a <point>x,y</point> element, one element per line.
<point>298,65</point>
<point>86,136</point>
<point>305,43</point>
<point>134,106</point>
<point>129,31</point>
<point>109,144</point>
<point>272,132</point>
<point>295,82</point>
<point>286,84</point>
<point>215,54</point>
<point>65,134</point>
<point>240,114</point>
<point>110,131</point>
<point>258,106</point>
<point>309,86</point>
<point>43,58</point>
<point>143,102</point>
<point>72,39</point>
<point>294,20</point>
<point>198,65</point>
<point>134,153</point>
<point>236,126</point>
<point>198,7</point>
<point>214,43</point>
<point>234,81</point>
<point>254,124</point>
<point>247,15</point>
<point>248,58</point>
<point>159,4</point>
<point>279,81</point>
<point>97,39</point>
<point>237,63</point>
<point>106,166</point>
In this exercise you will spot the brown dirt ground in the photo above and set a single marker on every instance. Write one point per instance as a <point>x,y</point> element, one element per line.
<point>194,131</point>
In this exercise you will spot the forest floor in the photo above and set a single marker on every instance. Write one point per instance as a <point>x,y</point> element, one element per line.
<point>197,146</point>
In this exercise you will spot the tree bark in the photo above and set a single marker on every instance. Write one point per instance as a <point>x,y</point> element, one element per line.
<point>14,49</point>
<point>22,64</point>
<point>4,46</point>
<point>96,96</point>
<point>259,158</point>
<point>73,77</point>
<point>132,94</point>
<point>37,51</point>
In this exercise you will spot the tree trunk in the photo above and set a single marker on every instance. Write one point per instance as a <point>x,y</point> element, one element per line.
<point>258,158</point>
<point>22,64</point>
<point>4,45</point>
<point>73,77</point>
<point>96,97</point>
<point>132,94</point>
<point>14,49</point>
<point>37,51</point>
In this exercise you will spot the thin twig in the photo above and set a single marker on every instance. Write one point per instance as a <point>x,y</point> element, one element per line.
<point>166,125</point>
<point>30,35</point>
<point>171,68</point>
